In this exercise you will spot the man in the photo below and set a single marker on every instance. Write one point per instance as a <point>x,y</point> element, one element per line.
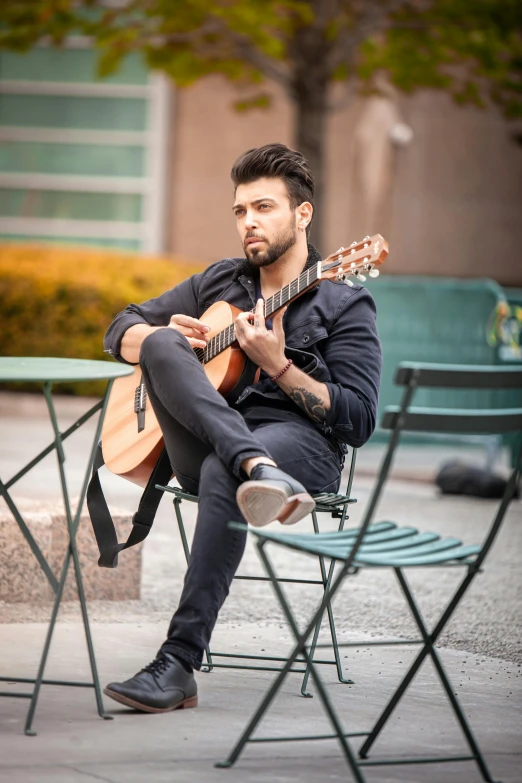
<point>261,457</point>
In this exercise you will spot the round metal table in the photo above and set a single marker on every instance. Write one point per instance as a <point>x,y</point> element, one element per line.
<point>47,371</point>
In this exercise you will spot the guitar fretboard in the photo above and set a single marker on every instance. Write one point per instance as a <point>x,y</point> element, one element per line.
<point>226,337</point>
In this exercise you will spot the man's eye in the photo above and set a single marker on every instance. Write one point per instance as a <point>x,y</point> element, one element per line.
<point>264,206</point>
<point>239,212</point>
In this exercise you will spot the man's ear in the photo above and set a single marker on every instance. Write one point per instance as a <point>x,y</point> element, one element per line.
<point>304,215</point>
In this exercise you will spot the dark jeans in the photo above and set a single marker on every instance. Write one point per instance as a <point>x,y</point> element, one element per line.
<point>206,441</point>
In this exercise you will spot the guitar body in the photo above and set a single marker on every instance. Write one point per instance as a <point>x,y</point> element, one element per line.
<point>133,454</point>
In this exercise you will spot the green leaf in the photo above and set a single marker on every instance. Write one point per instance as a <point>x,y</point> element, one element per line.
<point>260,101</point>
<point>470,48</point>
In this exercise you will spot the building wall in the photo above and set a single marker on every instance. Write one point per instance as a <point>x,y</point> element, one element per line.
<point>452,200</point>
<point>208,136</point>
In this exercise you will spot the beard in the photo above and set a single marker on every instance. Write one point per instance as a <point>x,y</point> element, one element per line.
<point>275,249</point>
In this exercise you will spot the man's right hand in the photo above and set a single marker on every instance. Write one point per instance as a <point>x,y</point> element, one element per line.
<point>191,328</point>
<point>194,330</point>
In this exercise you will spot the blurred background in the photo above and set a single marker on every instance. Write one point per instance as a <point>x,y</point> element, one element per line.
<point>119,123</point>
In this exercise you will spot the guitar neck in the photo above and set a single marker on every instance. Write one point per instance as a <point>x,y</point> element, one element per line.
<point>291,291</point>
<point>277,301</point>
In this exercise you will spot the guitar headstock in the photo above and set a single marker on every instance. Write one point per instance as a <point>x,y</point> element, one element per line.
<point>358,260</point>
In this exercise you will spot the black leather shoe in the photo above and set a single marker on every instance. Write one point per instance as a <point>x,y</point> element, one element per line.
<point>162,686</point>
<point>271,494</point>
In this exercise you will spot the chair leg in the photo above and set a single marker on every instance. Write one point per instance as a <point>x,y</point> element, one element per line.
<point>331,620</point>
<point>414,667</point>
<point>300,649</point>
<point>457,709</point>
<point>186,550</point>
<point>429,649</point>
<point>327,581</point>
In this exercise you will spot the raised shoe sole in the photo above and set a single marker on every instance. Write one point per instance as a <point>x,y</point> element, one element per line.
<point>261,504</point>
<point>192,701</point>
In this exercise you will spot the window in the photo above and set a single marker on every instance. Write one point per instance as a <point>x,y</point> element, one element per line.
<point>82,160</point>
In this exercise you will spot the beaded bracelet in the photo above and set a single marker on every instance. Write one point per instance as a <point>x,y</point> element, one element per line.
<point>285,368</point>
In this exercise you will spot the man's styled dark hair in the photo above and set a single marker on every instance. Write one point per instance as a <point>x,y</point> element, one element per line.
<point>277,160</point>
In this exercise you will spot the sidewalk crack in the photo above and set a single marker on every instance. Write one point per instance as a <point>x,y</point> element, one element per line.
<point>93,775</point>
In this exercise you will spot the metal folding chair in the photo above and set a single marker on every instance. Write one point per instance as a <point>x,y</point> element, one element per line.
<point>386,545</point>
<point>326,503</point>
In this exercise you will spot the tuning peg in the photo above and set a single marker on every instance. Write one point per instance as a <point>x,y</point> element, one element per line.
<point>374,273</point>
<point>365,238</point>
<point>340,250</point>
<point>353,243</point>
<point>349,282</point>
<point>361,277</point>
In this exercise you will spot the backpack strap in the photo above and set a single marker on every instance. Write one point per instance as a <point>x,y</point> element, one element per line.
<point>102,522</point>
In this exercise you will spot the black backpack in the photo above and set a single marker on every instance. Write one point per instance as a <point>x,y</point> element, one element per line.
<point>458,478</point>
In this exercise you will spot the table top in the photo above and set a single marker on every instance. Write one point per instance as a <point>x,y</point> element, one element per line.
<point>50,369</point>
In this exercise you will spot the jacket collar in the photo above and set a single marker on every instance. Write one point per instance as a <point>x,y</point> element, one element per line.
<point>245,268</point>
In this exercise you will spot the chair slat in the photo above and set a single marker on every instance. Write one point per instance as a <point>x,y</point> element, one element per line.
<point>430,558</point>
<point>340,550</point>
<point>417,551</point>
<point>459,376</point>
<point>434,551</point>
<point>383,531</point>
<point>458,421</point>
<point>390,535</point>
<point>304,538</point>
<point>407,543</point>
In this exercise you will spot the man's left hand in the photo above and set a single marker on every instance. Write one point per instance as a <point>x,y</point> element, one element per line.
<point>265,347</point>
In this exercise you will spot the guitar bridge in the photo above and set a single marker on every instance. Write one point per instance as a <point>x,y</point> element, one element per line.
<point>140,403</point>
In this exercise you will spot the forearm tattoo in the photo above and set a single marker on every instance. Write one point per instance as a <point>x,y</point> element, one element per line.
<point>312,405</point>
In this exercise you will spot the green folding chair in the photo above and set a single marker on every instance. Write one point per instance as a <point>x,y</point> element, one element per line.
<point>386,545</point>
<point>326,503</point>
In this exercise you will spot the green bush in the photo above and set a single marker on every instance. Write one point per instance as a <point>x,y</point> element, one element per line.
<point>59,301</point>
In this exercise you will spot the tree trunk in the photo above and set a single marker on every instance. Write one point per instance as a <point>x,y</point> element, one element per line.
<point>309,134</point>
<point>310,87</point>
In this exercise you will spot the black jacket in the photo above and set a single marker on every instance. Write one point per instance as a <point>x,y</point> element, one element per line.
<point>330,331</point>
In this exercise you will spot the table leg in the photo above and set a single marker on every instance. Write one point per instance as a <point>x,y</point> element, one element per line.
<point>72,527</point>
<point>37,552</point>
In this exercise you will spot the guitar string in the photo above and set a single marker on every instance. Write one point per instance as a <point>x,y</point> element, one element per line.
<point>226,337</point>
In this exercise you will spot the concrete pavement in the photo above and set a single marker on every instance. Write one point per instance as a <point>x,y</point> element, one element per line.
<point>74,744</point>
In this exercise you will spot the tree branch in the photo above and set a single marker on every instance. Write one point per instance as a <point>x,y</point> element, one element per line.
<point>246,50</point>
<point>374,19</point>
<point>225,44</point>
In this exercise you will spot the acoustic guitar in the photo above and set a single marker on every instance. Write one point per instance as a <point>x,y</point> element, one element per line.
<point>131,438</point>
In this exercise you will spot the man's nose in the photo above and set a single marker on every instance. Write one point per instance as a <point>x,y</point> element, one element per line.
<point>250,220</point>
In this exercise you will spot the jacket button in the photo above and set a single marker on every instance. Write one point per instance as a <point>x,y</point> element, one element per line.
<point>305,338</point>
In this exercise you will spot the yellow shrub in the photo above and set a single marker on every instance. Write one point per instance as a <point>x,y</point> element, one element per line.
<point>59,301</point>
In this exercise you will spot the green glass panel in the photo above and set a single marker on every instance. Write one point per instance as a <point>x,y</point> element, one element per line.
<point>67,65</point>
<point>70,205</point>
<point>83,159</point>
<point>123,244</point>
<point>63,111</point>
